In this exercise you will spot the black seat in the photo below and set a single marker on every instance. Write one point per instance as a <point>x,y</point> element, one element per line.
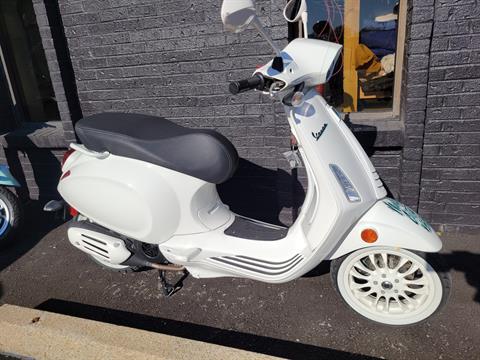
<point>204,154</point>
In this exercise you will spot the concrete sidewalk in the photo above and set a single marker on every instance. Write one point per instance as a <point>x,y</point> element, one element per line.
<point>44,335</point>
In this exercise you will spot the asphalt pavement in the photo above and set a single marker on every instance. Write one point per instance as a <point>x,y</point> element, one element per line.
<point>303,319</point>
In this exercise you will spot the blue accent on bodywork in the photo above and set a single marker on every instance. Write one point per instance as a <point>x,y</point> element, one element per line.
<point>6,177</point>
<point>404,210</point>
<point>287,60</point>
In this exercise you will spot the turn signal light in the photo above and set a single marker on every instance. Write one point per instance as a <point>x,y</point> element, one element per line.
<point>369,235</point>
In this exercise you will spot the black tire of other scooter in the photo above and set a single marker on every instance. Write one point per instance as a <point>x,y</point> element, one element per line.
<point>434,259</point>
<point>14,207</point>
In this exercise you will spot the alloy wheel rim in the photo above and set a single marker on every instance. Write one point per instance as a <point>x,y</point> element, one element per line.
<point>4,217</point>
<point>390,286</point>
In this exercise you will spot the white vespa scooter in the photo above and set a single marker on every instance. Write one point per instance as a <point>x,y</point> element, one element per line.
<point>144,195</point>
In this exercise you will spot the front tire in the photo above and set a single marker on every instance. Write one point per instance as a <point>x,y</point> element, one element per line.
<point>11,216</point>
<point>391,286</point>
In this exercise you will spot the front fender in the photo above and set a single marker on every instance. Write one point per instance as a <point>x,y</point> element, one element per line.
<point>397,226</point>
<point>6,177</point>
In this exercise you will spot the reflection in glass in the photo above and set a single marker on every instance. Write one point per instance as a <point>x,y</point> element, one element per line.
<point>364,79</point>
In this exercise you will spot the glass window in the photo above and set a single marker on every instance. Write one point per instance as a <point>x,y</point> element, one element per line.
<point>365,78</point>
<point>24,62</point>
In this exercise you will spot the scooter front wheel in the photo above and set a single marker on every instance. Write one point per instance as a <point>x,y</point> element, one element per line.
<point>391,286</point>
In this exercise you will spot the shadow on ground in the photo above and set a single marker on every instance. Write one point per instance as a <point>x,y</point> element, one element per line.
<point>36,225</point>
<point>233,339</point>
<point>461,261</point>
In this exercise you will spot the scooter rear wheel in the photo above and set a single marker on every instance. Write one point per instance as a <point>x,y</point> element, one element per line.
<point>391,286</point>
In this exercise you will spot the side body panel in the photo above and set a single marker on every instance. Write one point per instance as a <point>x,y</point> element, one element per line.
<point>140,200</point>
<point>396,226</point>
<point>333,214</point>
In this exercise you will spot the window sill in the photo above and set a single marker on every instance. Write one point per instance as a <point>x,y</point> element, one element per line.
<point>35,135</point>
<point>376,129</point>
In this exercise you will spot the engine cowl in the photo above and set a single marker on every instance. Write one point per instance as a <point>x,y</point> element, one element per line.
<point>97,242</point>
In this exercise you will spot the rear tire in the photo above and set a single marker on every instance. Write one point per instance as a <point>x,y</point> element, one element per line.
<point>11,217</point>
<point>404,289</point>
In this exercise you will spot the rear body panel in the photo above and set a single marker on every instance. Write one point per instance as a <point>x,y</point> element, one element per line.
<point>139,200</point>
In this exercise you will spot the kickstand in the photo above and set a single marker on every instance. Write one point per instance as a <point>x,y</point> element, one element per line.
<point>168,288</point>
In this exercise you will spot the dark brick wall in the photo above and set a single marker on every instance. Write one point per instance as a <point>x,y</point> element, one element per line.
<point>33,150</point>
<point>172,59</point>
<point>413,98</point>
<point>37,170</point>
<point>55,45</point>
<point>6,111</point>
<point>450,177</point>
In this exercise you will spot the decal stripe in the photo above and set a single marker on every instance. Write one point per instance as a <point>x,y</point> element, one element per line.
<point>277,267</point>
<point>295,263</point>
<point>265,261</point>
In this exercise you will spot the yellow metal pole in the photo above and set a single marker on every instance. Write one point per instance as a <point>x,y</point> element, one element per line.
<point>350,42</point>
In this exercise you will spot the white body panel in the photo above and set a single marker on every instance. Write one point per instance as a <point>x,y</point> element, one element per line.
<point>143,201</point>
<point>106,248</point>
<point>314,69</point>
<point>397,226</point>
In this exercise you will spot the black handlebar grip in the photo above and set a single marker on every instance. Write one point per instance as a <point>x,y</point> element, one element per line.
<point>255,82</point>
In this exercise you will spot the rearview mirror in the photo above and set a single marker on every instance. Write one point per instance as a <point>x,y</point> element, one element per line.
<point>237,14</point>
<point>294,9</point>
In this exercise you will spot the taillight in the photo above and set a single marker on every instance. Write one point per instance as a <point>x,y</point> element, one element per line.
<point>67,155</point>
<point>65,174</point>
<point>73,212</point>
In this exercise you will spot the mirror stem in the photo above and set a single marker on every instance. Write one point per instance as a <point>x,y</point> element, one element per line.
<point>266,36</point>
<point>305,25</point>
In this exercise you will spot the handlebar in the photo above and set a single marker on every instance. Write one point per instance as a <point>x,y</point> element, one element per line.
<point>255,82</point>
